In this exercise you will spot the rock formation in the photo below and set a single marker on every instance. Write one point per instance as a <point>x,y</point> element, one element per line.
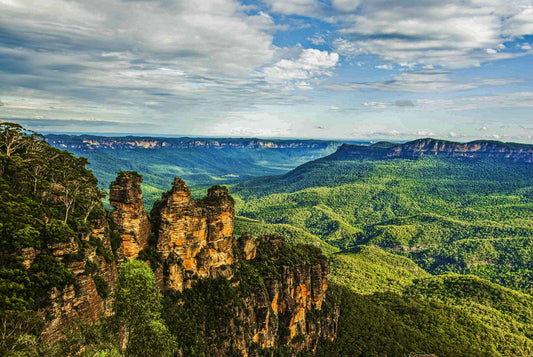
<point>281,304</point>
<point>195,241</point>
<point>195,238</point>
<point>81,300</point>
<point>283,315</point>
<point>125,195</point>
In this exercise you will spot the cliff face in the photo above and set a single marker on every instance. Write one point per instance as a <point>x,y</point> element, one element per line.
<point>413,149</point>
<point>276,301</point>
<point>287,312</point>
<point>82,300</point>
<point>273,293</point>
<point>125,195</point>
<point>195,241</point>
<point>89,142</point>
<point>194,238</point>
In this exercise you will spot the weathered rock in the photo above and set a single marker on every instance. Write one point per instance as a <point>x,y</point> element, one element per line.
<point>81,301</point>
<point>248,246</point>
<point>125,195</point>
<point>195,238</point>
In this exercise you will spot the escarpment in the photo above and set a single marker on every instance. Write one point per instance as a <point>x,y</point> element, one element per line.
<point>479,149</point>
<point>274,292</point>
<point>89,297</point>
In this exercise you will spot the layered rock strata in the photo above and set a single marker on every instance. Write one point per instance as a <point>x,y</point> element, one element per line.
<point>125,195</point>
<point>80,301</point>
<point>292,297</point>
<point>194,238</point>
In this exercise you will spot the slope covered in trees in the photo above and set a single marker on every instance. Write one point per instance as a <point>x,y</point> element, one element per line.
<point>465,215</point>
<point>47,197</point>
<point>201,162</point>
<point>388,304</point>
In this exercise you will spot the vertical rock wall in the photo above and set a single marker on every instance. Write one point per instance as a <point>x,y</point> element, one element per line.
<point>125,195</point>
<point>82,300</point>
<point>194,238</point>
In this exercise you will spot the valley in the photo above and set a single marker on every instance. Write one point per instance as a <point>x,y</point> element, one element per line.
<point>385,249</point>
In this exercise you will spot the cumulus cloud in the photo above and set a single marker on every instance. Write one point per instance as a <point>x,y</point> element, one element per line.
<point>311,64</point>
<point>424,81</point>
<point>451,34</point>
<point>136,59</point>
<point>386,66</point>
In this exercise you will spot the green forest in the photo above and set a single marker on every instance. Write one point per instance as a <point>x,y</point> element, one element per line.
<point>467,216</point>
<point>427,256</point>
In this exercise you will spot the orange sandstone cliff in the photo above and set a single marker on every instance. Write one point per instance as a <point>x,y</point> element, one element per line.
<point>194,239</point>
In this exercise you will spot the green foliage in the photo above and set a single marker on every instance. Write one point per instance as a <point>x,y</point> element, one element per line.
<point>151,339</point>
<point>90,267</point>
<point>19,332</point>
<point>59,231</point>
<point>138,310</point>
<point>369,270</point>
<point>387,324</point>
<point>46,196</point>
<point>292,234</point>
<point>102,287</point>
<point>460,215</point>
<point>152,255</point>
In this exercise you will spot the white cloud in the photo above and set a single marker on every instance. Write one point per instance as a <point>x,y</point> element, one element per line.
<point>347,48</point>
<point>346,5</point>
<point>521,23</point>
<point>309,65</point>
<point>208,35</point>
<point>318,39</point>
<point>386,66</point>
<point>424,81</point>
<point>451,34</point>
<point>507,100</point>
<point>294,7</point>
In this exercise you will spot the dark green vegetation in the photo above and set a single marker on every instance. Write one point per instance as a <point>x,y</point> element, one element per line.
<point>390,324</point>
<point>463,215</point>
<point>370,216</point>
<point>201,162</point>
<point>47,197</point>
<point>469,216</point>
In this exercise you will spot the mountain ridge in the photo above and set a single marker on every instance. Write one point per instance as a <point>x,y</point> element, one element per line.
<point>430,146</point>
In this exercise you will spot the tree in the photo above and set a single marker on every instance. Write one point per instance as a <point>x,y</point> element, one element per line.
<point>138,310</point>
<point>12,137</point>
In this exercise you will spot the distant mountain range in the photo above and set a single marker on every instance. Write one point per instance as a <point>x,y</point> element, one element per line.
<point>91,142</point>
<point>428,146</point>
<point>201,161</point>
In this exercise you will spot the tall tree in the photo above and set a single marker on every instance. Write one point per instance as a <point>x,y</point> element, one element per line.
<point>138,310</point>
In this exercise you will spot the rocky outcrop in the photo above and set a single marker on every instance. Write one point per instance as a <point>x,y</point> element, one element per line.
<point>125,195</point>
<point>276,301</point>
<point>277,292</point>
<point>292,301</point>
<point>194,238</point>
<point>423,147</point>
<point>81,300</point>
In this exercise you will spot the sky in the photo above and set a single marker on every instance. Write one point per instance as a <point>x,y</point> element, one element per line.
<point>333,69</point>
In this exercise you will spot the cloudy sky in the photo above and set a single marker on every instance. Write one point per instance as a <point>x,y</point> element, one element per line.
<point>354,69</point>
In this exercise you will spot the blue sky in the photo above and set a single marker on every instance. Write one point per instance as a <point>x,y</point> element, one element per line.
<point>358,69</point>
